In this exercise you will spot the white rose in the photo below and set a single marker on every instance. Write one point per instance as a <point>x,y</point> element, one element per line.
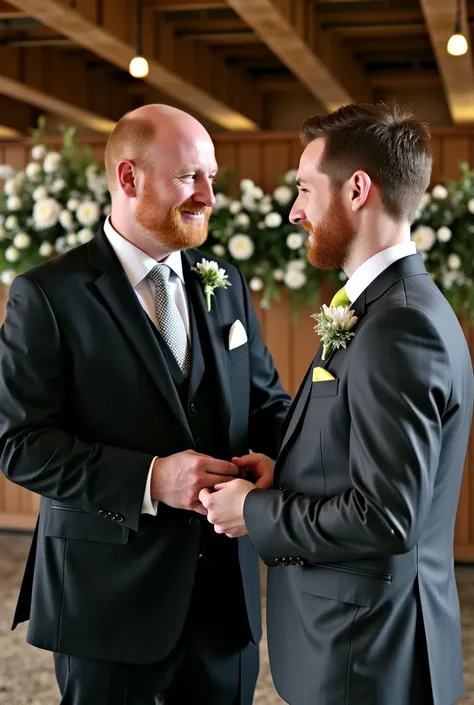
<point>14,203</point>
<point>11,187</point>
<point>241,247</point>
<point>6,172</point>
<point>294,279</point>
<point>106,210</point>
<point>11,222</point>
<point>283,195</point>
<point>46,213</point>
<point>12,254</point>
<point>248,202</point>
<point>51,162</point>
<point>424,238</point>
<point>72,239</point>
<point>38,152</point>
<point>256,284</point>
<point>265,206</point>
<point>33,170</point>
<point>235,207</point>
<point>60,245</point>
<point>46,249</point>
<point>7,277</point>
<point>221,201</point>
<point>242,219</point>
<point>219,250</point>
<point>85,235</point>
<point>22,241</point>
<point>247,185</point>
<point>278,275</point>
<point>444,234</point>
<point>257,193</point>
<point>58,185</point>
<point>454,261</point>
<point>3,233</point>
<point>298,264</point>
<point>39,193</point>
<point>73,204</point>
<point>66,220</point>
<point>424,200</point>
<point>273,220</point>
<point>290,176</point>
<point>294,241</point>
<point>88,213</point>
<point>439,192</point>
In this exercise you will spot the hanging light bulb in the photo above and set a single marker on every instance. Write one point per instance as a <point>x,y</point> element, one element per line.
<point>457,43</point>
<point>138,67</point>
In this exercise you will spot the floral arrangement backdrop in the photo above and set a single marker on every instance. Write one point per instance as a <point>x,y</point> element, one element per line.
<point>60,199</point>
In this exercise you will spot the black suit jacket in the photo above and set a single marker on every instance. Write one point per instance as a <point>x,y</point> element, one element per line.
<point>362,600</point>
<point>86,402</point>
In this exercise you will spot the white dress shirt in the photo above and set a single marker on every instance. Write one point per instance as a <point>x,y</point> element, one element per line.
<point>137,264</point>
<point>370,270</point>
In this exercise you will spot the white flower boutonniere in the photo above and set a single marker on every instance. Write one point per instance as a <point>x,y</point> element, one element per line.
<point>334,327</point>
<point>212,277</point>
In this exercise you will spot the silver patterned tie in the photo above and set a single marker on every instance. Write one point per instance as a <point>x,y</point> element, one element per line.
<point>170,321</point>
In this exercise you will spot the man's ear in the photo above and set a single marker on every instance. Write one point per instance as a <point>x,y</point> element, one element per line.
<point>126,177</point>
<point>360,185</point>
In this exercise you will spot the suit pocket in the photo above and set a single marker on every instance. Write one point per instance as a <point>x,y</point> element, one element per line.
<point>344,584</point>
<point>238,353</point>
<point>66,522</point>
<point>328,388</point>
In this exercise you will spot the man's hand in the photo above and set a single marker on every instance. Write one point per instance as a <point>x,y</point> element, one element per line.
<point>225,507</point>
<point>259,465</point>
<point>178,479</point>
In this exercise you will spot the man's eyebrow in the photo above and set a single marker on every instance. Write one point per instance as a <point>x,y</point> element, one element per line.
<point>300,181</point>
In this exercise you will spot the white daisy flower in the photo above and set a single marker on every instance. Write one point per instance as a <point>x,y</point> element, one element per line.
<point>241,247</point>
<point>85,235</point>
<point>219,250</point>
<point>7,277</point>
<point>242,219</point>
<point>38,152</point>
<point>88,213</point>
<point>73,204</point>
<point>283,195</point>
<point>454,261</point>
<point>33,170</point>
<point>443,234</point>
<point>279,275</point>
<point>46,249</point>
<point>51,162</point>
<point>22,241</point>
<point>14,203</point>
<point>424,237</point>
<point>11,187</point>
<point>247,185</point>
<point>11,222</point>
<point>290,176</point>
<point>235,207</point>
<point>39,193</point>
<point>294,241</point>
<point>273,220</point>
<point>12,254</point>
<point>66,220</point>
<point>256,284</point>
<point>46,213</point>
<point>221,202</point>
<point>294,279</point>
<point>439,192</point>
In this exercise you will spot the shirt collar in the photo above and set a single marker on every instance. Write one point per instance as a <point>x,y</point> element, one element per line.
<point>370,270</point>
<point>136,263</point>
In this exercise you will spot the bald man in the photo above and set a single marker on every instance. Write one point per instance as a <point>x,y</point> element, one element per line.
<point>122,397</point>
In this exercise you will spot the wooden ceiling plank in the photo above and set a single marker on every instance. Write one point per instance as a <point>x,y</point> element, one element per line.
<point>24,75</point>
<point>457,72</point>
<point>162,74</point>
<point>312,65</point>
<point>184,5</point>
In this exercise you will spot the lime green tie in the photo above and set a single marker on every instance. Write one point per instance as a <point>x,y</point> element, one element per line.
<point>340,298</point>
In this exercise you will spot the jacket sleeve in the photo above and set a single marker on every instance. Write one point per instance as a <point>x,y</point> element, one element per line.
<point>269,402</point>
<point>399,384</point>
<point>36,450</point>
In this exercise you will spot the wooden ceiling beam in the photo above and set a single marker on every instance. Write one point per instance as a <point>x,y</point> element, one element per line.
<point>74,93</point>
<point>7,12</point>
<point>457,72</point>
<point>321,63</point>
<point>184,5</point>
<point>405,79</point>
<point>17,117</point>
<point>183,70</point>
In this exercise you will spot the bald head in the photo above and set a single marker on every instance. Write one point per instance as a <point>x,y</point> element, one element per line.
<point>141,135</point>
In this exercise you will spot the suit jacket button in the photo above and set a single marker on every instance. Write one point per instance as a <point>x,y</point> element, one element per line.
<point>194,522</point>
<point>277,561</point>
<point>102,513</point>
<point>300,561</point>
<point>119,518</point>
<point>285,561</point>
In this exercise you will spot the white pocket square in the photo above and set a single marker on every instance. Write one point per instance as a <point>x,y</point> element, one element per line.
<point>237,335</point>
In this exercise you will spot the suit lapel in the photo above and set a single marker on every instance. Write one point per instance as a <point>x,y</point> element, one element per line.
<point>208,326</point>
<point>114,289</point>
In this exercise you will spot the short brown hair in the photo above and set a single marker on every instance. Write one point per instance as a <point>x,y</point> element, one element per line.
<point>130,139</point>
<point>386,142</point>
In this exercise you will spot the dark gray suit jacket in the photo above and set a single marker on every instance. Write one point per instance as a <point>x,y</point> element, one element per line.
<point>362,600</point>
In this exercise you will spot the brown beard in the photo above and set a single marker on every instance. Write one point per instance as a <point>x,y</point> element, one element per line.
<point>170,229</point>
<point>332,236</point>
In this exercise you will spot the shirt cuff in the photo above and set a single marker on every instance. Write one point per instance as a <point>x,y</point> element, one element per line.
<point>149,506</point>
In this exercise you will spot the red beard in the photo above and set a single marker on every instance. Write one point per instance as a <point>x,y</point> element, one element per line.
<point>331,237</point>
<point>170,229</point>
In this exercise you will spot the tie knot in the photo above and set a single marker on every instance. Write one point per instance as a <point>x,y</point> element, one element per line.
<point>340,298</point>
<point>160,274</point>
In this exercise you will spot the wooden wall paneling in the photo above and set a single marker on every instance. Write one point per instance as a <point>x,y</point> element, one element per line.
<point>276,161</point>
<point>249,161</point>
<point>454,149</point>
<point>436,172</point>
<point>278,337</point>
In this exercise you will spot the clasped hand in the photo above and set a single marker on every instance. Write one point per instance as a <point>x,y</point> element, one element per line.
<point>225,506</point>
